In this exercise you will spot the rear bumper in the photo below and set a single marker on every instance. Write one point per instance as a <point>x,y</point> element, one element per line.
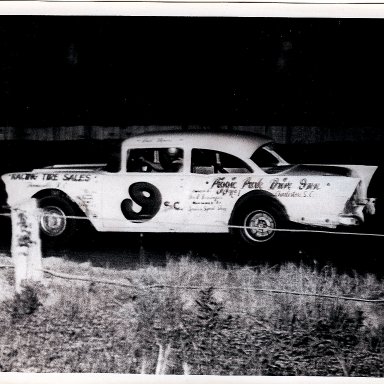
<point>359,214</point>
<point>349,220</point>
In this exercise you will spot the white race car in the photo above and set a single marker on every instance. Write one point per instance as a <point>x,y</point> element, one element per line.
<point>195,182</point>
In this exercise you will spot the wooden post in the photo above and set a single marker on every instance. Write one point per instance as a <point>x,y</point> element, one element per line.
<point>162,359</point>
<point>26,244</point>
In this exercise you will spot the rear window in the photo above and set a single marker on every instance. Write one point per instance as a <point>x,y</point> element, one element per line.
<point>268,159</point>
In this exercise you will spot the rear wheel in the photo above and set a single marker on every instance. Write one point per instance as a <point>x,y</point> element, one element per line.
<point>56,222</point>
<point>257,224</point>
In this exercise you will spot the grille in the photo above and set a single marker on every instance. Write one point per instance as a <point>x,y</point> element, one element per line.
<point>3,196</point>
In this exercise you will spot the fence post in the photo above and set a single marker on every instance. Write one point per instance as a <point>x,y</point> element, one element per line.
<point>26,244</point>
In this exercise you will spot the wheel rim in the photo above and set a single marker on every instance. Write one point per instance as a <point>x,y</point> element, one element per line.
<point>259,226</point>
<point>53,221</point>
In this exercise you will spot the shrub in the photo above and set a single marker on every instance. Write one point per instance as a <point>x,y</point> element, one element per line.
<point>24,303</point>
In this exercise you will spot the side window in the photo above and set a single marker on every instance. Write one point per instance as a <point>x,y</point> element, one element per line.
<point>155,160</point>
<point>205,161</point>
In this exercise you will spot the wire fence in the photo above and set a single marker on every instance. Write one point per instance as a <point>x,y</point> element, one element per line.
<point>199,287</point>
<point>223,225</point>
<point>38,213</point>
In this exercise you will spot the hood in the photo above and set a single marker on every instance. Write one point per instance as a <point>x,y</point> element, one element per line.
<point>71,167</point>
<point>3,195</point>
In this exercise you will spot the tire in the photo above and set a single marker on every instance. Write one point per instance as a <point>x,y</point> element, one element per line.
<point>55,226</point>
<point>258,221</point>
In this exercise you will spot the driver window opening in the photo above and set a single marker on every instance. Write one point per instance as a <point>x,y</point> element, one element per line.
<point>155,160</point>
<point>205,161</point>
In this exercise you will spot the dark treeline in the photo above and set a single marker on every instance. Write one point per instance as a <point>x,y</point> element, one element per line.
<point>107,71</point>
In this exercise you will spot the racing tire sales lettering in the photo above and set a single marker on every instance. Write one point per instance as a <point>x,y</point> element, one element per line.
<point>147,196</point>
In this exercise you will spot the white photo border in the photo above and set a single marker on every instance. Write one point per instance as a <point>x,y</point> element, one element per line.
<point>199,8</point>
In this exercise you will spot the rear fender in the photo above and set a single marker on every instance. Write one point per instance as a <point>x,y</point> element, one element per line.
<point>362,172</point>
<point>257,197</point>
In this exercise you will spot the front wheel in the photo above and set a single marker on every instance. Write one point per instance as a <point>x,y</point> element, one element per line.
<point>258,224</point>
<point>56,219</point>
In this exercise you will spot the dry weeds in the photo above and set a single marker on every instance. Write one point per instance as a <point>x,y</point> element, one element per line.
<point>72,326</point>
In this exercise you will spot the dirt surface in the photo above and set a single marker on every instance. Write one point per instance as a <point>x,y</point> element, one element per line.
<point>348,253</point>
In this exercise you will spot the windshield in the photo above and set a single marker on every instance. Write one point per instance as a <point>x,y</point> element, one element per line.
<point>268,159</point>
<point>112,157</point>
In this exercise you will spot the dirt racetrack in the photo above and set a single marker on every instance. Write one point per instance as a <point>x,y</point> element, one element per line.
<point>348,253</point>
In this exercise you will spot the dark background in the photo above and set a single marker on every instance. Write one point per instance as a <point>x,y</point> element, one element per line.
<point>319,81</point>
<point>73,87</point>
<point>70,70</point>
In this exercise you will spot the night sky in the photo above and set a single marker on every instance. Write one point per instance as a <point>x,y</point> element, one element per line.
<point>120,71</point>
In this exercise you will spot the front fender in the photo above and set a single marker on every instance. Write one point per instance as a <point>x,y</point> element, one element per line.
<point>82,189</point>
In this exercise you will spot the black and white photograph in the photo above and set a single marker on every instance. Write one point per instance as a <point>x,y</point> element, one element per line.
<point>188,195</point>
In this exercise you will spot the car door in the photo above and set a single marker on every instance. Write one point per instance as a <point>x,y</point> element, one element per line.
<point>214,189</point>
<point>145,195</point>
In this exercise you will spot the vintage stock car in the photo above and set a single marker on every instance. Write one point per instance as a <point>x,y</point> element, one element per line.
<point>196,182</point>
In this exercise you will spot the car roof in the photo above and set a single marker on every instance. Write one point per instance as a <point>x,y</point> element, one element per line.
<point>241,144</point>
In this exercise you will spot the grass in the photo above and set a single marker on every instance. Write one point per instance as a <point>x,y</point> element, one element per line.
<point>71,326</point>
